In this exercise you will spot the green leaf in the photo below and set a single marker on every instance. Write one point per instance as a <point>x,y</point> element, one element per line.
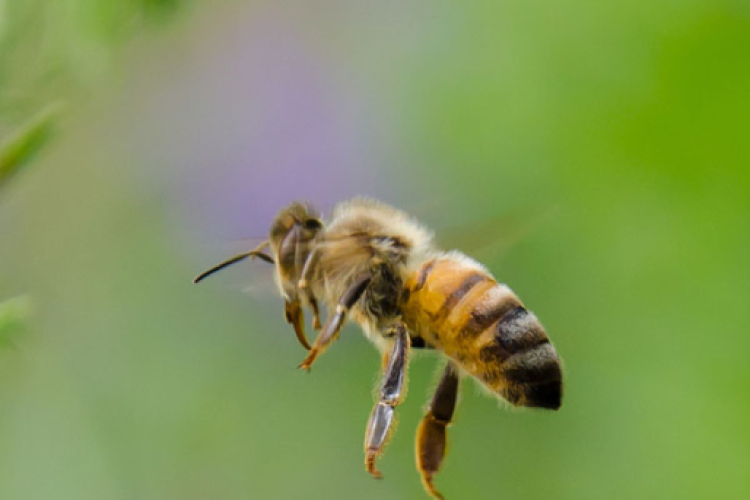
<point>21,146</point>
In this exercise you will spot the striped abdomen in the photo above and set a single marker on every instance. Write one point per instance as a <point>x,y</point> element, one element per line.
<point>459,308</point>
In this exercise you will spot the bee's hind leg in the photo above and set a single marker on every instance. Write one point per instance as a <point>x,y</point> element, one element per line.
<point>390,396</point>
<point>431,435</point>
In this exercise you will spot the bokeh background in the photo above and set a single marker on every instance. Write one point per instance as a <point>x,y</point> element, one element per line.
<point>145,140</point>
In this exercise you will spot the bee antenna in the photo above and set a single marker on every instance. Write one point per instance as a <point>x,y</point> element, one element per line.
<point>256,252</point>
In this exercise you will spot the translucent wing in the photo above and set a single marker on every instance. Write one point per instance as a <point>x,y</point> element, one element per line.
<point>495,234</point>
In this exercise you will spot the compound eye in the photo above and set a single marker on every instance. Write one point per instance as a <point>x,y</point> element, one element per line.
<point>313,224</point>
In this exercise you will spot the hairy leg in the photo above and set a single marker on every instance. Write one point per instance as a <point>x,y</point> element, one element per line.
<point>334,323</point>
<point>431,435</point>
<point>391,394</point>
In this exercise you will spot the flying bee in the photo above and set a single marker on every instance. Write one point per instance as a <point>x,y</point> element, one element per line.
<point>375,265</point>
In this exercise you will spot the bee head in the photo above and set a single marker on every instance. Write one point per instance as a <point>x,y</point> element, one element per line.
<point>291,235</point>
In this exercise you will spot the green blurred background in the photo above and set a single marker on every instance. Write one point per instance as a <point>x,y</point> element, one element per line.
<point>143,140</point>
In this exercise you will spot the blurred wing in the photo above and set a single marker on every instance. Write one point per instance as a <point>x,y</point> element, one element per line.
<point>493,235</point>
<point>496,234</point>
<point>261,286</point>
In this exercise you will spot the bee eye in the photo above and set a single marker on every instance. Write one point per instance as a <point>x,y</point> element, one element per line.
<point>313,224</point>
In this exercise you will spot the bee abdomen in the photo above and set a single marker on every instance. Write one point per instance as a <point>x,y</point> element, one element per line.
<point>526,367</point>
<point>519,330</point>
<point>485,328</point>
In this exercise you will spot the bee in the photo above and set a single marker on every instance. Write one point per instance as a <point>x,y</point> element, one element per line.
<point>380,268</point>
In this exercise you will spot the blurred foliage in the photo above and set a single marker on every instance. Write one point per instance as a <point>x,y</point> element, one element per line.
<point>51,51</point>
<point>13,312</point>
<point>626,122</point>
<point>23,144</point>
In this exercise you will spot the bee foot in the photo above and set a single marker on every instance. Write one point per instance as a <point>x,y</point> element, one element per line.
<point>430,487</point>
<point>370,465</point>
<point>307,363</point>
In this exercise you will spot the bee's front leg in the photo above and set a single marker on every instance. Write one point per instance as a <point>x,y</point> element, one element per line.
<point>304,285</point>
<point>296,317</point>
<point>390,396</point>
<point>431,435</point>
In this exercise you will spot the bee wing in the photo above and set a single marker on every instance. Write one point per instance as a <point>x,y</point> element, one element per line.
<point>495,234</point>
<point>261,286</point>
<point>257,283</point>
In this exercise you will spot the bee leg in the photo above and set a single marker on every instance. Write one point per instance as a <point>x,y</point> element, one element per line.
<point>304,289</point>
<point>316,311</point>
<point>296,317</point>
<point>431,435</point>
<point>390,396</point>
<point>334,323</point>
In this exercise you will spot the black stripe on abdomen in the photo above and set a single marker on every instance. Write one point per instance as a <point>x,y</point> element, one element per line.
<point>518,329</point>
<point>527,362</point>
<point>535,365</point>
<point>493,306</point>
<point>456,295</point>
<point>423,274</point>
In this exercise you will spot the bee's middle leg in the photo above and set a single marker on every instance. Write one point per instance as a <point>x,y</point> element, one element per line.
<point>382,416</point>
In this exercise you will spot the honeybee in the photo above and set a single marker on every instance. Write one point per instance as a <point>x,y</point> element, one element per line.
<point>377,266</point>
